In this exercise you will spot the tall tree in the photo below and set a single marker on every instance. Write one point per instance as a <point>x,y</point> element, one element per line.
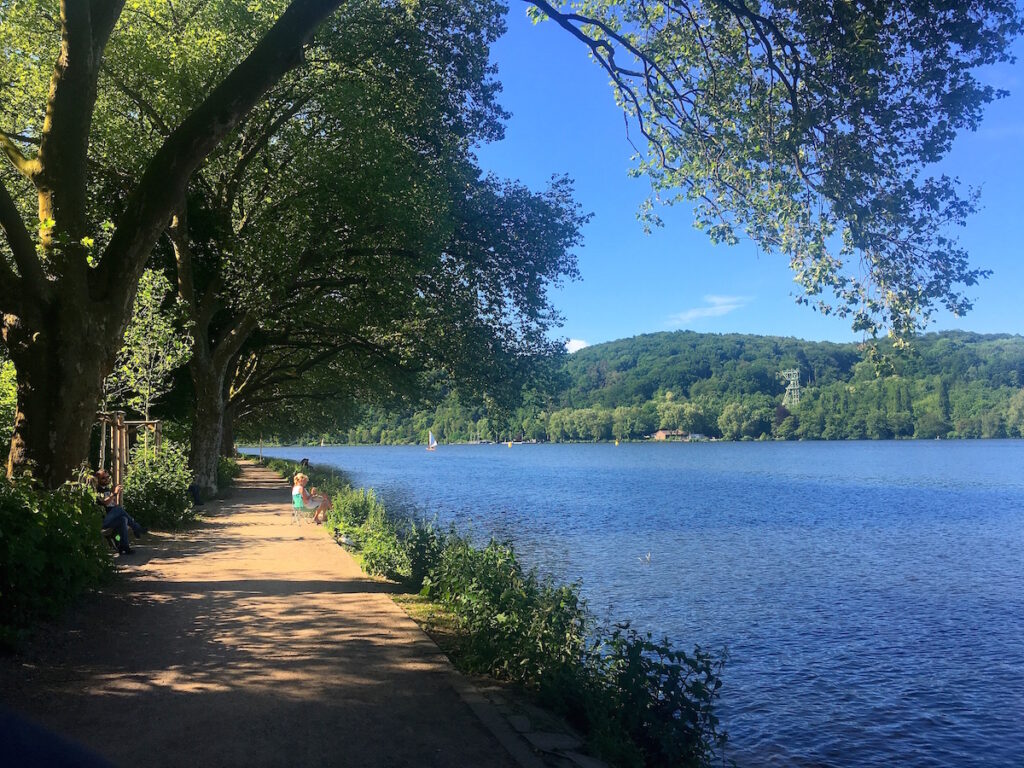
<point>342,178</point>
<point>154,345</point>
<point>473,308</point>
<point>66,303</point>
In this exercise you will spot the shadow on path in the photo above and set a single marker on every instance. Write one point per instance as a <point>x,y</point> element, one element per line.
<point>247,640</point>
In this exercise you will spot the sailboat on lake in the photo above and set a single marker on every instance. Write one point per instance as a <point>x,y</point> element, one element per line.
<point>431,442</point>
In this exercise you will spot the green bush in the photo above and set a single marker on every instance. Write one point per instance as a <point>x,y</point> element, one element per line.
<point>641,703</point>
<point>156,486</point>
<point>360,515</point>
<point>227,471</point>
<point>647,704</point>
<point>351,509</point>
<point>383,553</point>
<point>518,626</point>
<point>424,547</point>
<point>8,405</point>
<point>50,551</point>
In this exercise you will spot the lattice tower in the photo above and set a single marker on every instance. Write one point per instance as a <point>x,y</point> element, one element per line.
<point>792,395</point>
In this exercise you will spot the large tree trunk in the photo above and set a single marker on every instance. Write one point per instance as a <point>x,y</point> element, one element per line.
<point>207,424</point>
<point>227,440</point>
<point>211,358</point>
<point>60,379</point>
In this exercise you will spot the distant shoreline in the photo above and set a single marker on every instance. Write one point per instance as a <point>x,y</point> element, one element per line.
<point>516,443</point>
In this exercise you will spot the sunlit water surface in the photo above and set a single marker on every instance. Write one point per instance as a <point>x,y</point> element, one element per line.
<point>870,595</point>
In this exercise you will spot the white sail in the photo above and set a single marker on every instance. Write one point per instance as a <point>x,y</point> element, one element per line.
<point>431,442</point>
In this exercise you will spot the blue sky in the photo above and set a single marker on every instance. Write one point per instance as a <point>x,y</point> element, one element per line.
<point>564,120</point>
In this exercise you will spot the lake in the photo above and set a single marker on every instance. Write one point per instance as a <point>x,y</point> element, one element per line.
<point>870,594</point>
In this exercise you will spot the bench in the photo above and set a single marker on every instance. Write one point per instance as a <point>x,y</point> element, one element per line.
<point>301,513</point>
<point>110,536</point>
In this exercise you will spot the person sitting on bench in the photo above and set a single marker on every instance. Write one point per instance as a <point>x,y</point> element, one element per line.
<point>303,499</point>
<point>115,516</point>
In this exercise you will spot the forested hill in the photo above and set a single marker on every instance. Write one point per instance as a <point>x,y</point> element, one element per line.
<point>689,364</point>
<point>630,371</point>
<point>952,384</point>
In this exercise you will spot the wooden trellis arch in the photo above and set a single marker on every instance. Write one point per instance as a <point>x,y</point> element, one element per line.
<point>114,434</point>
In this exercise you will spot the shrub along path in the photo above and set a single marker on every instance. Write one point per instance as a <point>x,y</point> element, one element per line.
<point>248,640</point>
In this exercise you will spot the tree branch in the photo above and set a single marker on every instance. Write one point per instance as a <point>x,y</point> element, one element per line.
<point>27,167</point>
<point>165,179</point>
<point>177,231</point>
<point>105,14</point>
<point>139,100</point>
<point>61,172</point>
<point>283,371</point>
<point>23,248</point>
<point>233,340</point>
<point>10,289</point>
<point>209,304</point>
<point>250,153</point>
<point>244,373</point>
<point>22,137</point>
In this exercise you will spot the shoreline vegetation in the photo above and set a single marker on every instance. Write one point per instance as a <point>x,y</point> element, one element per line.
<point>251,450</point>
<point>638,701</point>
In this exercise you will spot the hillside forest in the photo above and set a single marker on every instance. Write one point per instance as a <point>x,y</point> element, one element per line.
<point>951,385</point>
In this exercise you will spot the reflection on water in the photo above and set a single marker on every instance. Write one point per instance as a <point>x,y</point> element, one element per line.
<point>871,595</point>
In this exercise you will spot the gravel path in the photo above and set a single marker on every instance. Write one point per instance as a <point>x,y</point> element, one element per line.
<point>247,641</point>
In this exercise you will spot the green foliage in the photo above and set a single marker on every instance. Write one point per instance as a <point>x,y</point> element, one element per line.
<point>156,486</point>
<point>425,546</point>
<point>359,191</point>
<point>153,347</point>
<point>1015,415</point>
<point>8,404</point>
<point>811,129</point>
<point>50,551</point>
<point>353,508</point>
<point>656,702</point>
<point>228,470</point>
<point>382,550</point>
<point>360,515</point>
<point>518,626</point>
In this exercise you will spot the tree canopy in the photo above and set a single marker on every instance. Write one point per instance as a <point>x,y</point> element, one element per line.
<point>343,221</point>
<point>809,127</point>
<point>66,294</point>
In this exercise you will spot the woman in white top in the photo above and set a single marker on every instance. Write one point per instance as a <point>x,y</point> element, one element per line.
<point>301,498</point>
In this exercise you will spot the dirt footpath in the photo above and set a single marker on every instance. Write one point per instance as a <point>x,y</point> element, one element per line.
<point>247,641</point>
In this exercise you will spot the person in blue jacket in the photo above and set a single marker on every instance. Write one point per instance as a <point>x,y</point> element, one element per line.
<point>114,515</point>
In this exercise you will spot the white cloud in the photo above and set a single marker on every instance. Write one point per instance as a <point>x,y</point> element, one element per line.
<point>714,306</point>
<point>575,345</point>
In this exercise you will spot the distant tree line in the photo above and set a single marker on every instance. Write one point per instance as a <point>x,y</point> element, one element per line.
<point>948,385</point>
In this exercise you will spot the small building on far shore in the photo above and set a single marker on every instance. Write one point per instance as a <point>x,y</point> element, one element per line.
<point>670,434</point>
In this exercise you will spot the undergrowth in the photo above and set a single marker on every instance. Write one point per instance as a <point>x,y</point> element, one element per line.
<point>50,551</point>
<point>228,470</point>
<point>156,486</point>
